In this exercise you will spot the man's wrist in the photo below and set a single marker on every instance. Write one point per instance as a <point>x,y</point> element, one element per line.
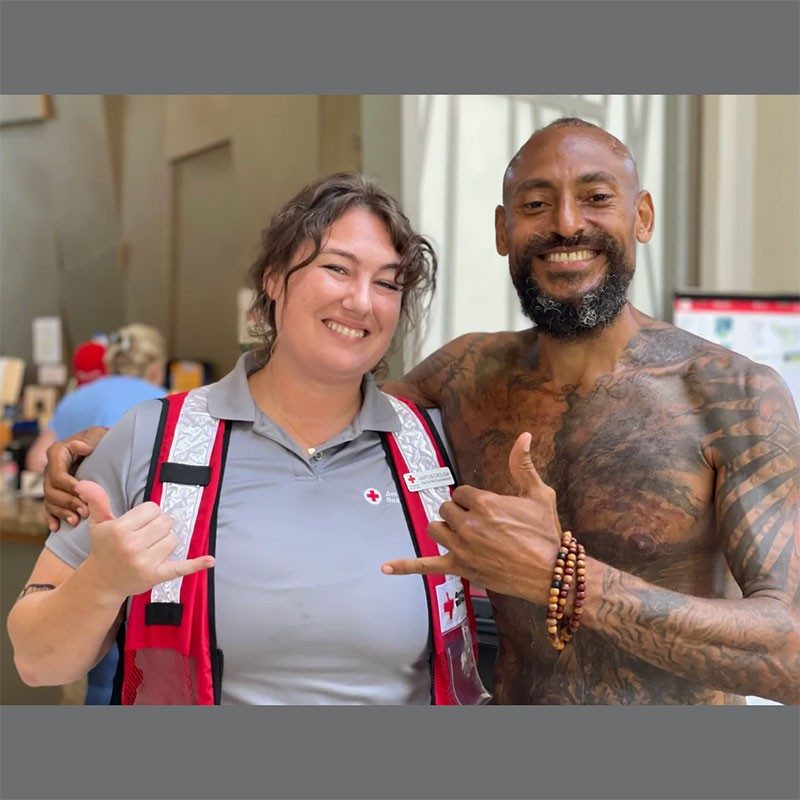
<point>596,575</point>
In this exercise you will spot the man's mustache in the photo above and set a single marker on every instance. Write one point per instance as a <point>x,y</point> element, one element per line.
<point>540,243</point>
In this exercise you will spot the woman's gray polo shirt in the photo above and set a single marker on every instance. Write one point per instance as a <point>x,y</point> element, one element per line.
<point>303,613</point>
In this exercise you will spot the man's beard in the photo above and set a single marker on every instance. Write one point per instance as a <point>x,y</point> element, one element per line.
<point>590,313</point>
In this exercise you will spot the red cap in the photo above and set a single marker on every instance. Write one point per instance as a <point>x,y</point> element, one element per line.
<point>87,362</point>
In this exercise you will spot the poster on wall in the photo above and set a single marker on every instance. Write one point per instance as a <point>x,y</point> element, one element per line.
<point>766,329</point>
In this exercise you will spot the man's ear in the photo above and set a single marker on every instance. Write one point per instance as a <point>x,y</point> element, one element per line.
<point>500,231</point>
<point>645,217</point>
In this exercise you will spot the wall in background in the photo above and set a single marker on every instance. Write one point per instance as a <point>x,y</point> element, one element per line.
<point>776,245</point>
<point>59,232</point>
<point>750,194</point>
<point>94,230</point>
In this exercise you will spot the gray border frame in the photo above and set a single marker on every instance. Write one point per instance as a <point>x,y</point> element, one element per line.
<point>649,46</point>
<point>400,46</point>
<point>510,753</point>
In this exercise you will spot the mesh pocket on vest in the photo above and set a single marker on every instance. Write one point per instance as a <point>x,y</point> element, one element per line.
<point>170,678</point>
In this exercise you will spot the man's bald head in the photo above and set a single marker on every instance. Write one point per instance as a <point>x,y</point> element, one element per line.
<point>576,125</point>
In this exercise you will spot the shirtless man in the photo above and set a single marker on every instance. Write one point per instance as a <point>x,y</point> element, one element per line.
<point>673,461</point>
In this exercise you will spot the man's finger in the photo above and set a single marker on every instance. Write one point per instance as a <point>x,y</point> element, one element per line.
<point>88,438</point>
<point>452,513</point>
<point>53,522</point>
<point>63,505</point>
<point>522,468</point>
<point>169,570</point>
<point>467,496</point>
<point>96,499</point>
<point>441,532</point>
<point>431,565</point>
<point>78,447</point>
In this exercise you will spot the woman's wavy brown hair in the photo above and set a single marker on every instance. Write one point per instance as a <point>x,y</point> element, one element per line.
<point>307,218</point>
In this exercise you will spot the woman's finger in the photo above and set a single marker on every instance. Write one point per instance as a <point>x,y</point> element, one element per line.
<point>431,565</point>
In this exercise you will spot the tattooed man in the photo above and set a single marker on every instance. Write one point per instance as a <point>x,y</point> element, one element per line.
<point>672,460</point>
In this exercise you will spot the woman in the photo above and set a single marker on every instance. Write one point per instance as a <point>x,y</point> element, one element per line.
<point>297,492</point>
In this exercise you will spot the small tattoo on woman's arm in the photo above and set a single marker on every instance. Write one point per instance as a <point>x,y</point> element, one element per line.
<point>35,587</point>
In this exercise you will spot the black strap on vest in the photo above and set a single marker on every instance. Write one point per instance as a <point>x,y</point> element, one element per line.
<point>163,614</point>
<point>186,474</point>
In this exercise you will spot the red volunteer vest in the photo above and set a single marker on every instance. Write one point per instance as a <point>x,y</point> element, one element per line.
<point>170,655</point>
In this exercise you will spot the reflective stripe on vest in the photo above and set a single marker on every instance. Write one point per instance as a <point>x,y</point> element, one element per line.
<point>169,652</point>
<point>452,621</point>
<point>170,655</point>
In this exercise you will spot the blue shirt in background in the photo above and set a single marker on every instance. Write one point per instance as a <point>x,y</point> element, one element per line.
<point>101,402</point>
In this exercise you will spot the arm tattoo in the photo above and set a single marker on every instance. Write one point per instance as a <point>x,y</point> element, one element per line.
<point>35,587</point>
<point>741,647</point>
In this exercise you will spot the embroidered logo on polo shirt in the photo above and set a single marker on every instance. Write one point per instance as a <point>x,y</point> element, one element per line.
<point>373,496</point>
<point>391,496</point>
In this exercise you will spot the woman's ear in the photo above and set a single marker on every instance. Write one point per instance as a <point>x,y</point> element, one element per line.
<point>272,287</point>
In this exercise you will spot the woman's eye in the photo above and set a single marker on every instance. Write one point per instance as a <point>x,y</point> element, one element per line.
<point>389,285</point>
<point>335,268</point>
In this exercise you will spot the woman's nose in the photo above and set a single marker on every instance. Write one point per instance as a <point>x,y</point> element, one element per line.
<point>358,298</point>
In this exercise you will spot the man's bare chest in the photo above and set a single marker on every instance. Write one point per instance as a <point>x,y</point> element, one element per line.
<point>625,459</point>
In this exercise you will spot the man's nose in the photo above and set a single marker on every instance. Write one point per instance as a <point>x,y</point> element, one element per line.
<point>567,218</point>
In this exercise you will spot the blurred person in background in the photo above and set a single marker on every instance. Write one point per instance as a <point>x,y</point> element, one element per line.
<point>87,366</point>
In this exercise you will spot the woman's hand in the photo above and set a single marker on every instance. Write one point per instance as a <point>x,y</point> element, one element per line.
<point>131,554</point>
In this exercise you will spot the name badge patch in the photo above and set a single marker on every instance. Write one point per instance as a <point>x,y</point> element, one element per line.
<point>428,479</point>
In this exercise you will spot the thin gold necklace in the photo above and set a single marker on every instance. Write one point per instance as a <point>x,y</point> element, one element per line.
<point>310,450</point>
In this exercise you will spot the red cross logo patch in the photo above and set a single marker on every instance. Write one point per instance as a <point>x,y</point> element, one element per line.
<point>373,496</point>
<point>452,604</point>
<point>449,605</point>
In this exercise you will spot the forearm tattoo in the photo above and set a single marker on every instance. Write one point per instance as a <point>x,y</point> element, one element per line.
<point>35,587</point>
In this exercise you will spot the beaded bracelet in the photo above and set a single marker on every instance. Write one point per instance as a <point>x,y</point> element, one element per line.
<point>570,566</point>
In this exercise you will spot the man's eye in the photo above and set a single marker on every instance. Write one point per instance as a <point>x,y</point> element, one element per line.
<point>599,198</point>
<point>533,204</point>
